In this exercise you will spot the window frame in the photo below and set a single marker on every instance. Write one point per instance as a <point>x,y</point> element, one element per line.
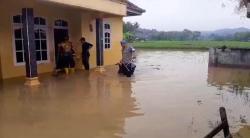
<point>110,33</point>
<point>61,27</point>
<point>44,28</point>
<point>20,26</point>
<point>14,27</point>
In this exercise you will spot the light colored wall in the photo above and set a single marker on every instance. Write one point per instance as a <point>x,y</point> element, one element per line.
<point>229,57</point>
<point>113,55</point>
<point>106,6</point>
<point>1,43</point>
<point>79,22</point>
<point>51,13</point>
<point>87,20</point>
<point>1,39</point>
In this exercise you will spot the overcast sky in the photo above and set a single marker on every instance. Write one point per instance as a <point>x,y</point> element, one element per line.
<point>198,15</point>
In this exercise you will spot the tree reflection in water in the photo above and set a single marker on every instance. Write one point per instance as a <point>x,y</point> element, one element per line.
<point>232,80</point>
<point>237,82</point>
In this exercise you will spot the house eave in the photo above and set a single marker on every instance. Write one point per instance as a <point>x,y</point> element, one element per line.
<point>114,7</point>
<point>134,10</point>
<point>133,13</point>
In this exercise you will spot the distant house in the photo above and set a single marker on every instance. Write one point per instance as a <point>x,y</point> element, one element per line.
<point>99,21</point>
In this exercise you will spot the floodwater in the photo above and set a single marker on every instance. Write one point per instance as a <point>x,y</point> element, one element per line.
<point>174,94</point>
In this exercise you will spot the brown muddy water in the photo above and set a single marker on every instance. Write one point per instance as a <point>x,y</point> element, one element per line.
<point>174,94</point>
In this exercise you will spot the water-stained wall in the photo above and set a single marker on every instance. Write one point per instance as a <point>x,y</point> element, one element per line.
<point>235,57</point>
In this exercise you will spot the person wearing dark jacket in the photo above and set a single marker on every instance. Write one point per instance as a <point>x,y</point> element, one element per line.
<point>85,53</point>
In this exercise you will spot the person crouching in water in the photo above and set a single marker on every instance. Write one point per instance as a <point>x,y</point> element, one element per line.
<point>126,65</point>
<point>68,56</point>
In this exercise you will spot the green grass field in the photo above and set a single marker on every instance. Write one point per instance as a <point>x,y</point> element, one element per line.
<point>189,44</point>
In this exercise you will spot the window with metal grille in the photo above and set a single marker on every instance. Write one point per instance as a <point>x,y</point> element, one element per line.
<point>18,39</point>
<point>107,35</point>
<point>41,45</point>
<point>40,39</point>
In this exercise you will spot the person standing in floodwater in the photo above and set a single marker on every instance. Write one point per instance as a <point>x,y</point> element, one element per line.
<point>126,65</point>
<point>85,53</point>
<point>68,56</point>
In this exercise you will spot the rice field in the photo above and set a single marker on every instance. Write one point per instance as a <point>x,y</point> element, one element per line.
<point>203,45</point>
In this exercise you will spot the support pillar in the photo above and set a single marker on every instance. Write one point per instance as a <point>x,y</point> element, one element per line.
<point>29,47</point>
<point>99,45</point>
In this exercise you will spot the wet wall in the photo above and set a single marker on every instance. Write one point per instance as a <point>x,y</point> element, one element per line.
<point>235,57</point>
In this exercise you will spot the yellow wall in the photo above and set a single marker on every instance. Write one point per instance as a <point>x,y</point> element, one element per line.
<point>107,6</point>
<point>50,13</point>
<point>1,40</point>
<point>79,22</point>
<point>1,43</point>
<point>87,20</point>
<point>113,55</point>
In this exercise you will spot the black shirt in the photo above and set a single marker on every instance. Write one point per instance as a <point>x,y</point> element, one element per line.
<point>85,48</point>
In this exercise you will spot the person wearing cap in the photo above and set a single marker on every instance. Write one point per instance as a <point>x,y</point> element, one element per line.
<point>85,53</point>
<point>127,52</point>
<point>126,64</point>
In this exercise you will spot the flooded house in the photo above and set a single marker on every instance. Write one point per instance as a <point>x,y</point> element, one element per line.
<point>30,31</point>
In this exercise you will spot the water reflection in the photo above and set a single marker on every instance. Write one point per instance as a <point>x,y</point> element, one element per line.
<point>243,132</point>
<point>181,99</point>
<point>235,81</point>
<point>87,105</point>
<point>230,79</point>
<point>178,96</point>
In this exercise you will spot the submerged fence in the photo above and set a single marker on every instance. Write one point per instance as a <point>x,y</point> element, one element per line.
<point>223,126</point>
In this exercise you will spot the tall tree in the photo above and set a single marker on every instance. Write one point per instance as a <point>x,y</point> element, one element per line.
<point>129,31</point>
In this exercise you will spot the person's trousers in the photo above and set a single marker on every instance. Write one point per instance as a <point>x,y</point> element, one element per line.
<point>68,61</point>
<point>85,61</point>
